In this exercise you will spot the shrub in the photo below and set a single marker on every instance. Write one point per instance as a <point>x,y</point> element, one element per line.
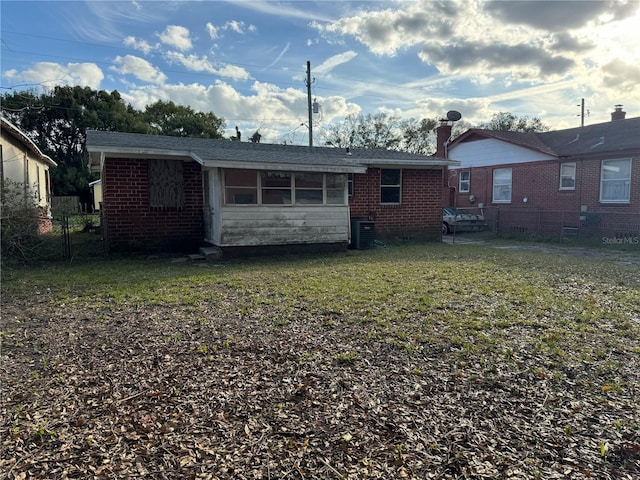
<point>19,221</point>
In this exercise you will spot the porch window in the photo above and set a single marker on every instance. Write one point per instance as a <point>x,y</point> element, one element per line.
<point>567,176</point>
<point>276,188</point>
<point>464,182</point>
<point>615,181</point>
<point>390,184</point>
<point>309,188</point>
<point>335,188</point>
<point>241,187</point>
<point>502,185</point>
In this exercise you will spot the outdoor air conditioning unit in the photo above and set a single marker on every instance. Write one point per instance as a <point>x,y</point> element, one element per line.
<point>363,234</point>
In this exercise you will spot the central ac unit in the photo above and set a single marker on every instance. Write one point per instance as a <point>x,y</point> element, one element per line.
<point>363,234</point>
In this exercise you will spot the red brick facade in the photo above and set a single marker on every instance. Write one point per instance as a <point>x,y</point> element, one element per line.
<point>539,183</point>
<point>130,222</point>
<point>547,207</point>
<point>417,217</point>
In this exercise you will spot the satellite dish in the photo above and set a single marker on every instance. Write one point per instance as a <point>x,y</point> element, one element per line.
<point>453,115</point>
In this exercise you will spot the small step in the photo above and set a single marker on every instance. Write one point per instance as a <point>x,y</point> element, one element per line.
<point>211,254</point>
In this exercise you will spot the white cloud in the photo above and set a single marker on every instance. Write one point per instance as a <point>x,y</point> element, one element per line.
<point>51,74</point>
<point>213,30</point>
<point>332,62</point>
<point>139,68</point>
<point>280,55</point>
<point>176,36</point>
<point>269,108</point>
<point>141,45</point>
<point>234,25</point>
<point>203,64</point>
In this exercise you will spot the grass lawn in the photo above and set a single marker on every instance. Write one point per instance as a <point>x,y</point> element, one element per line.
<point>420,361</point>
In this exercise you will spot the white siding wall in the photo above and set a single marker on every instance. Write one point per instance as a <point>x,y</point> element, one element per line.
<point>214,225</point>
<point>278,225</point>
<point>491,151</point>
<point>24,169</point>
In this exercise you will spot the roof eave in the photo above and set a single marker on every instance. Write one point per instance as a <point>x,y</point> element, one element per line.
<point>21,136</point>
<point>413,164</point>
<point>298,167</point>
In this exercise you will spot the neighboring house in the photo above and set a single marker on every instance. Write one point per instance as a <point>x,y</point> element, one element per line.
<point>24,164</point>
<point>96,190</point>
<point>583,180</point>
<point>179,193</point>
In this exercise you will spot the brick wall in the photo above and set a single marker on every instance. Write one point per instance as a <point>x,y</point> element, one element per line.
<point>549,209</point>
<point>539,183</point>
<point>129,221</point>
<point>417,217</point>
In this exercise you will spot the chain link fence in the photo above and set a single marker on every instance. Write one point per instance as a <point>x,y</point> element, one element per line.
<point>526,222</point>
<point>70,237</point>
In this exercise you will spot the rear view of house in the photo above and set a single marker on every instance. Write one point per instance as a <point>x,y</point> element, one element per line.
<point>580,181</point>
<point>180,193</point>
<point>25,172</point>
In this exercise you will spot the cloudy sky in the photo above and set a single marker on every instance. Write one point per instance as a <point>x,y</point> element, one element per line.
<point>245,61</point>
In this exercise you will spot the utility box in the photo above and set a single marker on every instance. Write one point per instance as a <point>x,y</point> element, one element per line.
<point>363,234</point>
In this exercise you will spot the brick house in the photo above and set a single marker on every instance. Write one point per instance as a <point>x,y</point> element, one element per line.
<point>583,180</point>
<point>400,196</point>
<point>172,193</point>
<point>24,164</point>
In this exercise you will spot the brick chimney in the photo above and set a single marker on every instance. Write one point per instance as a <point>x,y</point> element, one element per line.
<point>618,114</point>
<point>443,133</point>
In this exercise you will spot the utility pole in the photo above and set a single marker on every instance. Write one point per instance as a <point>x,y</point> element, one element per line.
<point>308,82</point>
<point>582,113</point>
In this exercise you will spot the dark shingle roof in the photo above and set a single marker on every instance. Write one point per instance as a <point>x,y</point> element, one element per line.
<point>215,150</point>
<point>619,135</point>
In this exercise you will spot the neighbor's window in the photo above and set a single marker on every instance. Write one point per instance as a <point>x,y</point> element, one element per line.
<point>464,181</point>
<point>38,191</point>
<point>166,184</point>
<point>502,185</point>
<point>390,182</point>
<point>309,188</point>
<point>567,176</point>
<point>241,187</point>
<point>350,184</point>
<point>615,181</point>
<point>276,188</point>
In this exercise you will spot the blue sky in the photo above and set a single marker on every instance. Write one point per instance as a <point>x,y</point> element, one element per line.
<point>245,61</point>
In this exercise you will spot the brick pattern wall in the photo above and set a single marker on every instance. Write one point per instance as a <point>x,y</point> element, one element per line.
<point>539,182</point>
<point>417,217</point>
<point>130,223</point>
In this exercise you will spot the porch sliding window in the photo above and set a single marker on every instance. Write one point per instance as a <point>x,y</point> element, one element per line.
<point>276,188</point>
<point>241,187</point>
<point>247,187</point>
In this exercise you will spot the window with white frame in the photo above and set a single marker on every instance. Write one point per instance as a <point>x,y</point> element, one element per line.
<point>276,188</point>
<point>350,184</point>
<point>390,185</point>
<point>615,180</point>
<point>38,191</point>
<point>502,185</point>
<point>567,176</point>
<point>335,188</point>
<point>309,188</point>
<point>464,182</point>
<point>241,187</point>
